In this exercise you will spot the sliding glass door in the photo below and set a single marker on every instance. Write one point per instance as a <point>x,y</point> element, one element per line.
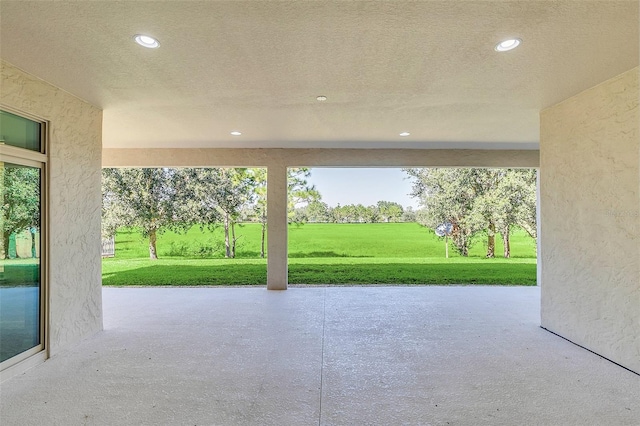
<point>20,287</point>
<point>21,239</point>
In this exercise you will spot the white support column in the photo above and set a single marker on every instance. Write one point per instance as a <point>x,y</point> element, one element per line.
<point>277,227</point>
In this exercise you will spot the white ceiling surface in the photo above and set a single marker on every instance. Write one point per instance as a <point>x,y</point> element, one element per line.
<point>426,67</point>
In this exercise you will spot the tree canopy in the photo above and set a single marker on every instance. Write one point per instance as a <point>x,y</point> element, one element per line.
<point>153,200</point>
<point>20,200</point>
<point>476,200</point>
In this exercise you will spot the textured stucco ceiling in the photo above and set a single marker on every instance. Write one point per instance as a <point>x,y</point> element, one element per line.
<point>427,67</point>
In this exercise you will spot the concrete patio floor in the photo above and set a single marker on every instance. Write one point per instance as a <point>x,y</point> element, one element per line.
<point>323,355</point>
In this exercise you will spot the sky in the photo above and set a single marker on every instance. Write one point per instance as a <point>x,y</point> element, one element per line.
<point>362,186</point>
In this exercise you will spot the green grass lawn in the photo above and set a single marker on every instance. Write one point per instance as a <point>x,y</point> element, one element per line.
<point>19,272</point>
<point>395,253</point>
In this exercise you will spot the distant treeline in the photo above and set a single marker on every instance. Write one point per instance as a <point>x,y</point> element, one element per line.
<point>382,211</point>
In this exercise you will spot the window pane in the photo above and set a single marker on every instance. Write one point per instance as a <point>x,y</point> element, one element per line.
<point>20,132</point>
<point>20,287</point>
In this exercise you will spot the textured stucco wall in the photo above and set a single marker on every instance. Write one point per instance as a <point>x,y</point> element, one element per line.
<point>589,184</point>
<point>74,170</point>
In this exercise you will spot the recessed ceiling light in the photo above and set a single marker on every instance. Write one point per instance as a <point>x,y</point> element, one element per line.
<point>235,133</point>
<point>506,45</point>
<point>405,134</point>
<point>146,41</point>
<point>321,98</point>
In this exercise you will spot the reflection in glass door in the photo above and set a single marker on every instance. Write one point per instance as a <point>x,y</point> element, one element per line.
<point>20,254</point>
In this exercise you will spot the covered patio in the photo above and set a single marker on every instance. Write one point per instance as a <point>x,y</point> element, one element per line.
<point>328,84</point>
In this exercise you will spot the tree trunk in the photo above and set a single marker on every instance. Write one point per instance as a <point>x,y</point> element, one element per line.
<point>33,244</point>
<point>227,245</point>
<point>460,240</point>
<point>506,243</point>
<point>5,244</point>
<point>491,240</point>
<point>264,231</point>
<point>233,240</point>
<point>153,253</point>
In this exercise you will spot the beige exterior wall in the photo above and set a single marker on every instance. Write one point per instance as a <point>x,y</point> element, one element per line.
<point>74,165</point>
<point>590,219</point>
<point>194,157</point>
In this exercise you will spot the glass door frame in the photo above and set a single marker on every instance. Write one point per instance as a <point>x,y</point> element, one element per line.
<point>25,157</point>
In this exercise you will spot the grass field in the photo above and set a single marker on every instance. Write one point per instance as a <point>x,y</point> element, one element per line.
<point>19,272</point>
<point>395,253</point>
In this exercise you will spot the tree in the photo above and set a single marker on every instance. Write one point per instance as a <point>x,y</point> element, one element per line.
<point>505,198</point>
<point>371,214</point>
<point>317,211</point>
<point>389,211</point>
<point>518,191</point>
<point>154,200</point>
<point>350,213</point>
<point>474,200</point>
<point>260,206</point>
<point>300,215</point>
<point>221,194</point>
<point>20,201</point>
<point>487,207</point>
<point>339,214</point>
<point>447,195</point>
<point>360,213</point>
<point>298,189</point>
<point>524,197</point>
<point>409,214</point>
